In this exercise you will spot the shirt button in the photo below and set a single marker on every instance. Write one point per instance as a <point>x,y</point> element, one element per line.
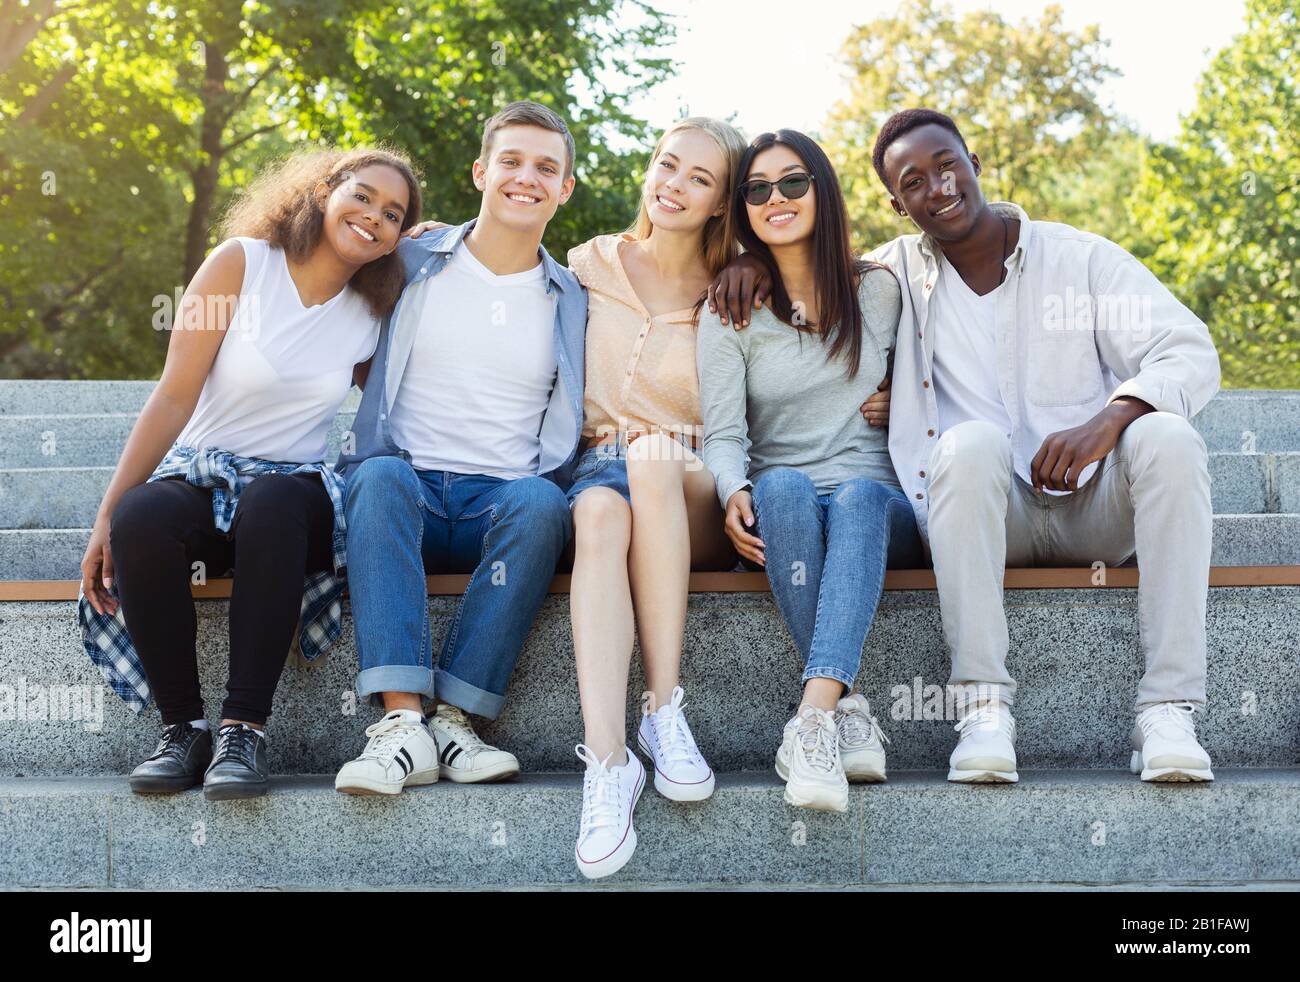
<point>925,384</point>
<point>923,473</point>
<point>918,334</point>
<point>919,496</point>
<point>383,415</point>
<point>929,432</point>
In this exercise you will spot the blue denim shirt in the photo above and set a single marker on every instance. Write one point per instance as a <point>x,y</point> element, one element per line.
<point>422,259</point>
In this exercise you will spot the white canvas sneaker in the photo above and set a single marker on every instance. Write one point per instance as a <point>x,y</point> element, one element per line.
<point>862,750</point>
<point>606,838</point>
<point>1165,745</point>
<point>809,762</point>
<point>681,772</point>
<point>399,752</point>
<point>986,752</point>
<point>465,758</point>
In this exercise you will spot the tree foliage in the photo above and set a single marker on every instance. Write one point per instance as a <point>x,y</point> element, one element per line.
<point>1221,205</point>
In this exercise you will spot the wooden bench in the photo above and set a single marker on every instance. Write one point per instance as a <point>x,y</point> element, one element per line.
<point>1039,578</point>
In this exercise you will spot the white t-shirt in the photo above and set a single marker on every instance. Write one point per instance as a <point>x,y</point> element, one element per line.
<point>965,353</point>
<point>479,378</point>
<point>283,369</point>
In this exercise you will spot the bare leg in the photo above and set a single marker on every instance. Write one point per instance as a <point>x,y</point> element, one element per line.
<point>822,693</point>
<point>600,605</point>
<point>676,524</point>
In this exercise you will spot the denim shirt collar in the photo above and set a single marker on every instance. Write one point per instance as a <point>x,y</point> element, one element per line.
<point>416,257</point>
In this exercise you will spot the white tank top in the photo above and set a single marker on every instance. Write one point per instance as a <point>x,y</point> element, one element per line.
<point>283,369</point>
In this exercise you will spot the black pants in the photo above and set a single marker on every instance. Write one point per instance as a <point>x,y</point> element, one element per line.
<point>283,529</point>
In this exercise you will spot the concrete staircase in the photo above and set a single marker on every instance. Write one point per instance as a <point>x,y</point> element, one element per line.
<point>1076,817</point>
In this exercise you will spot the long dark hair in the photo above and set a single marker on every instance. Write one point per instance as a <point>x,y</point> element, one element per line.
<point>836,269</point>
<point>282,207</point>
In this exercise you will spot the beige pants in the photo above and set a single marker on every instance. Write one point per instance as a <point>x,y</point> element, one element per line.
<point>1151,495</point>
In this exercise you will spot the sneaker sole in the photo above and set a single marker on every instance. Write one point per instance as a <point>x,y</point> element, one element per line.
<point>865,773</point>
<point>616,860</point>
<point>982,777</point>
<point>1172,775</point>
<point>488,775</point>
<point>364,786</point>
<point>235,792</point>
<point>673,790</point>
<point>163,785</point>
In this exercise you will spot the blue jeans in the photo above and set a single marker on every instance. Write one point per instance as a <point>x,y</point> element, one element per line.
<point>826,559</point>
<point>403,523</point>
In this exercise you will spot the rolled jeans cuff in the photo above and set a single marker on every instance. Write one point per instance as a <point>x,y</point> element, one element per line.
<point>373,682</point>
<point>813,672</point>
<point>468,697</point>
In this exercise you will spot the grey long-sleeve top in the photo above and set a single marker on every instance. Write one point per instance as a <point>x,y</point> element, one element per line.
<point>770,398</point>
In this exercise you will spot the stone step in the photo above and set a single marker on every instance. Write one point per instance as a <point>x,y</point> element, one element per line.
<point>1076,827</point>
<point>69,497</point>
<point>75,424</point>
<point>1075,654</point>
<point>1239,540</point>
<point>91,440</point>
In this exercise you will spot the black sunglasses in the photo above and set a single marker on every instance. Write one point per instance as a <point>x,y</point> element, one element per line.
<point>792,186</point>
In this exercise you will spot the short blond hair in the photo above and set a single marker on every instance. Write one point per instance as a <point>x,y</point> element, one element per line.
<point>524,113</point>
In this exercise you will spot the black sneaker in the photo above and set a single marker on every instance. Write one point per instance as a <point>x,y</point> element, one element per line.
<point>238,768</point>
<point>183,754</point>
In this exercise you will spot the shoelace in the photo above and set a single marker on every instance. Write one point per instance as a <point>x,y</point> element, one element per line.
<point>174,743</point>
<point>675,740</point>
<point>236,742</point>
<point>600,792</point>
<point>858,727</point>
<point>1178,714</point>
<point>986,717</point>
<point>819,741</point>
<point>386,737</point>
<point>454,718</point>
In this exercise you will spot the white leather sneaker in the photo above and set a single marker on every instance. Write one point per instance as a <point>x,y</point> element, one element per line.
<point>1165,745</point>
<point>862,750</point>
<point>606,838</point>
<point>681,772</point>
<point>986,752</point>
<point>809,762</point>
<point>465,758</point>
<point>400,751</point>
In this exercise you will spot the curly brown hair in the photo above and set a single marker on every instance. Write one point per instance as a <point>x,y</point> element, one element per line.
<point>283,207</point>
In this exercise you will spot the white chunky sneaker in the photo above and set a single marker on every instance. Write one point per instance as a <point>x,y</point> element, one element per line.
<point>465,758</point>
<point>862,750</point>
<point>809,762</point>
<point>1165,745</point>
<point>681,772</point>
<point>400,751</point>
<point>986,752</point>
<point>606,838</point>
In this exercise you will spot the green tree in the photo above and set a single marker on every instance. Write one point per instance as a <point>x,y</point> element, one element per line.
<point>1221,205</point>
<point>147,117</point>
<point>1026,97</point>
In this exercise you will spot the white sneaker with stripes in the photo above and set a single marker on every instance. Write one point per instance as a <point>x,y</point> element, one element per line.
<point>400,751</point>
<point>465,758</point>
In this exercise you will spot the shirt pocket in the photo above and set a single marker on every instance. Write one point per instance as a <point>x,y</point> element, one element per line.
<point>1064,369</point>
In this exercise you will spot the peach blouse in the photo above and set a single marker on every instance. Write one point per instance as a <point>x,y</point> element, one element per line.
<point>641,375</point>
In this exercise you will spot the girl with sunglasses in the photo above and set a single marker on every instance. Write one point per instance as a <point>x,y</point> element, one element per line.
<point>806,482</point>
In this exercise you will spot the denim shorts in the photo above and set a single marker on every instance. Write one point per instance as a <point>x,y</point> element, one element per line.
<point>600,467</point>
<point>604,466</point>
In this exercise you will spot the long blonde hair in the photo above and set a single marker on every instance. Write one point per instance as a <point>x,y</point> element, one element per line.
<point>719,232</point>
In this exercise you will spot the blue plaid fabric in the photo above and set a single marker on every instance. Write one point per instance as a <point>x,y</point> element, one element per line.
<point>320,621</point>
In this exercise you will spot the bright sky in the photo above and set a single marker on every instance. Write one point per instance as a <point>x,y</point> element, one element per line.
<point>775,62</point>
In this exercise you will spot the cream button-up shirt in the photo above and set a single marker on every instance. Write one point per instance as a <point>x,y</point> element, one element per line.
<point>1080,323</point>
<point>640,368</point>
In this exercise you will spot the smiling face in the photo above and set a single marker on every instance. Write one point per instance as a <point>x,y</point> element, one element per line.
<point>935,182</point>
<point>522,177</point>
<point>363,215</point>
<point>780,221</point>
<point>686,183</point>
